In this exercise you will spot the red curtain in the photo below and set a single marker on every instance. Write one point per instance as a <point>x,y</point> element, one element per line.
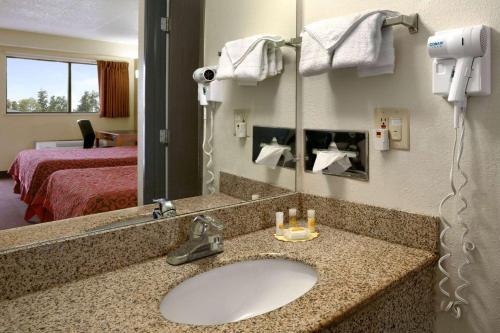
<point>113,89</point>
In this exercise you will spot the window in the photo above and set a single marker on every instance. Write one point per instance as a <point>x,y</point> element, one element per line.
<point>46,86</point>
<point>84,88</point>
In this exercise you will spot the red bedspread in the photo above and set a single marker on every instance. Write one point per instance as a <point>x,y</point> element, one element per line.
<point>77,192</point>
<point>32,167</point>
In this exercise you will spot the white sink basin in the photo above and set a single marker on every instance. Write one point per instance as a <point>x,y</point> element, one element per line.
<point>237,291</point>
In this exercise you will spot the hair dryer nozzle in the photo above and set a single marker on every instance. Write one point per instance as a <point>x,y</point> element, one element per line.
<point>204,74</point>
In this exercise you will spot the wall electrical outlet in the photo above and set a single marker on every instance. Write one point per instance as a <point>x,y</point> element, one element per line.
<point>397,121</point>
<point>239,116</point>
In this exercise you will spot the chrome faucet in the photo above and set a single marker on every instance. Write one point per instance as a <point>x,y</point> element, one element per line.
<point>166,208</point>
<point>205,239</point>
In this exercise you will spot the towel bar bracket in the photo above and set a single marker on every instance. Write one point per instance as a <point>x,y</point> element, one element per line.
<point>409,21</point>
<point>293,42</point>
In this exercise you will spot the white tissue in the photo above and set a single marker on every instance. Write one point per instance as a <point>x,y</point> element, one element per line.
<point>270,155</point>
<point>340,166</point>
<point>287,154</point>
<point>336,161</point>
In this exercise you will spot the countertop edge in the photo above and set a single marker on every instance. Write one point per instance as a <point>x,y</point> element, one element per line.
<point>379,293</point>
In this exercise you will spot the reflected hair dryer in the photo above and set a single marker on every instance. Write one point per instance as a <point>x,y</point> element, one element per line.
<point>203,76</point>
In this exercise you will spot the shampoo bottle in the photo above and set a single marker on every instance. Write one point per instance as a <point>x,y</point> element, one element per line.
<point>311,220</point>
<point>280,226</point>
<point>292,217</point>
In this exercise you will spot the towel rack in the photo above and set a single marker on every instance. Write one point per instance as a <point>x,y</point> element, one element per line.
<point>409,21</point>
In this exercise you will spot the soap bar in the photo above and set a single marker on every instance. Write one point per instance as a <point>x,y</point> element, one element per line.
<point>296,233</point>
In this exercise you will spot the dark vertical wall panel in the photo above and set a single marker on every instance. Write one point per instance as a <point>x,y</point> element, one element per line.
<point>155,103</point>
<point>185,55</point>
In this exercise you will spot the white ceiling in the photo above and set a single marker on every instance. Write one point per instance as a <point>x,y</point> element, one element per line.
<point>106,20</point>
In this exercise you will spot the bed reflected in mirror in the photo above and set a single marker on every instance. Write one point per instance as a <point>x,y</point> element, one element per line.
<point>68,124</point>
<point>100,114</point>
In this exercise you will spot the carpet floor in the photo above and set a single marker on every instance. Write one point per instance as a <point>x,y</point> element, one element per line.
<point>11,207</point>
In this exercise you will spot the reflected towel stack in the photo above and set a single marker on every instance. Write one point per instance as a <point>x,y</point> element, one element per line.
<point>251,59</point>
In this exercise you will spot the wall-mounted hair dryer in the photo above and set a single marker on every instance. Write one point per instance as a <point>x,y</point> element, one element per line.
<point>203,76</point>
<point>456,52</point>
<point>461,68</point>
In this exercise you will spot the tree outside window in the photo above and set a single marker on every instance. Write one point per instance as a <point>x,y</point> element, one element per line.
<point>42,86</point>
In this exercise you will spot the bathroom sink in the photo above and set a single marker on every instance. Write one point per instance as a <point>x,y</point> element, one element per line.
<point>238,291</point>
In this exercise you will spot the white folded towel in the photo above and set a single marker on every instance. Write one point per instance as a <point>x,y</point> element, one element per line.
<point>314,58</point>
<point>386,58</point>
<point>330,33</point>
<point>361,46</point>
<point>352,41</point>
<point>251,59</point>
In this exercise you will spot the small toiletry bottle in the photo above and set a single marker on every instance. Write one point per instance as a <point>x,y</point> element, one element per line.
<point>311,220</point>
<point>292,217</point>
<point>255,197</point>
<point>279,223</point>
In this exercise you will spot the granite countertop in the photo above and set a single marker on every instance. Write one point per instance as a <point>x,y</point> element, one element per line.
<point>79,225</point>
<point>352,270</point>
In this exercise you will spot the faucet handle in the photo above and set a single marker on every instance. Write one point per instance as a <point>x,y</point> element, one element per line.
<point>218,225</point>
<point>166,208</point>
<point>202,224</point>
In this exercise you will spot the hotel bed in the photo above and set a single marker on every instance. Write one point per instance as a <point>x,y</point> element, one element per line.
<point>32,168</point>
<point>78,192</point>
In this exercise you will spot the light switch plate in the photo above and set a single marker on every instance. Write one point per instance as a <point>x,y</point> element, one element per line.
<point>395,114</point>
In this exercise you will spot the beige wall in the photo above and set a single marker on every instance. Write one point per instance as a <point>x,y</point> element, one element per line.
<point>18,132</point>
<point>66,44</point>
<point>416,180</point>
<point>271,103</point>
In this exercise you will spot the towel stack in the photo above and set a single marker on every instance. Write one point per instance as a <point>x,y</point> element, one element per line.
<point>251,60</point>
<point>354,41</point>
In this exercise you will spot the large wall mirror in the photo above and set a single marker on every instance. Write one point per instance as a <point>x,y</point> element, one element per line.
<point>99,111</point>
<point>251,114</point>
